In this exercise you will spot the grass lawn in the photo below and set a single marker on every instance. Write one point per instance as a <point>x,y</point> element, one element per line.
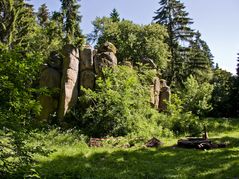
<point>72,158</point>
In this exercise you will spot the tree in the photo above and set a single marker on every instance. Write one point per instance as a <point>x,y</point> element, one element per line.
<point>200,60</point>
<point>71,21</point>
<point>172,14</point>
<point>114,15</point>
<point>221,100</point>
<point>43,15</point>
<point>118,106</point>
<point>133,42</point>
<point>7,21</point>
<point>196,97</point>
<point>17,22</point>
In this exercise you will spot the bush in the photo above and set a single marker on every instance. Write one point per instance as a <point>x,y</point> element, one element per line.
<point>179,121</point>
<point>196,97</point>
<point>118,106</point>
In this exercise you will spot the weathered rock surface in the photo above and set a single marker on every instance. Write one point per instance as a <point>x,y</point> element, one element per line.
<point>164,96</point>
<point>155,91</point>
<point>51,79</point>
<point>105,57</point>
<point>87,75</point>
<point>69,82</point>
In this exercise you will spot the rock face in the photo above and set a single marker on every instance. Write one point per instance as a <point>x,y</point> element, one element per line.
<point>87,75</point>
<point>155,91</point>
<point>51,79</point>
<point>69,81</point>
<point>164,96</point>
<point>82,70</point>
<point>105,57</point>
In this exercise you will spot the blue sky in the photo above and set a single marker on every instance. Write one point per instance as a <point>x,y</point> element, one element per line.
<point>217,20</point>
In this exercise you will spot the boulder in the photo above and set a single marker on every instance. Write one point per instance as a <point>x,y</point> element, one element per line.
<point>104,59</point>
<point>107,47</point>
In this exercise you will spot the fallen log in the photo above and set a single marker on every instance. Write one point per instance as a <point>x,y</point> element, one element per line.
<point>199,143</point>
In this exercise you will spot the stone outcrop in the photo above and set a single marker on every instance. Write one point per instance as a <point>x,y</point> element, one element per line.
<point>159,94</point>
<point>80,69</point>
<point>105,57</point>
<point>69,81</point>
<point>50,79</point>
<point>164,96</point>
<point>155,90</point>
<point>87,75</point>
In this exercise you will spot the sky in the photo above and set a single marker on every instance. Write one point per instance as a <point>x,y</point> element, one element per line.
<point>217,20</point>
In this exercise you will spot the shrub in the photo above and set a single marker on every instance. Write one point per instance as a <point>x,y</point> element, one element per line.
<point>179,121</point>
<point>118,106</point>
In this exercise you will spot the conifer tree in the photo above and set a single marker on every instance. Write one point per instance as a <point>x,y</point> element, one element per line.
<point>114,15</point>
<point>200,59</point>
<point>16,21</point>
<point>71,21</point>
<point>43,15</point>
<point>173,16</point>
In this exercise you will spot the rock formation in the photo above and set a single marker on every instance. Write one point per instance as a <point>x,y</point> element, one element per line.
<point>81,69</point>
<point>164,96</point>
<point>50,79</point>
<point>105,57</point>
<point>69,81</point>
<point>87,75</point>
<point>155,91</point>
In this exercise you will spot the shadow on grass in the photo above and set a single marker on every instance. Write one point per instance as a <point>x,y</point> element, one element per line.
<point>165,162</point>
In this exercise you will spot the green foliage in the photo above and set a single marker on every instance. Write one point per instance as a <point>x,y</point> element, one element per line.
<point>200,60</point>
<point>74,159</point>
<point>17,23</point>
<point>114,15</point>
<point>71,22</point>
<point>134,42</point>
<point>221,95</point>
<point>190,54</point>
<point>119,105</point>
<point>196,97</point>
<point>16,152</point>
<point>179,121</point>
<point>43,15</point>
<point>18,71</point>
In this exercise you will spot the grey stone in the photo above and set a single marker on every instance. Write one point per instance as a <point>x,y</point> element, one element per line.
<point>164,98</point>
<point>69,81</point>
<point>87,76</point>
<point>104,59</point>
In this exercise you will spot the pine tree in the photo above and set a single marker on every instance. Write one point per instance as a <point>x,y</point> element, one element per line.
<point>8,16</point>
<point>200,61</point>
<point>71,21</point>
<point>43,15</point>
<point>25,23</point>
<point>114,15</point>
<point>173,16</point>
<point>16,21</point>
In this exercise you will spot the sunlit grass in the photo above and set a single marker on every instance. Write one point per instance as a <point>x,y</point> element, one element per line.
<point>72,158</point>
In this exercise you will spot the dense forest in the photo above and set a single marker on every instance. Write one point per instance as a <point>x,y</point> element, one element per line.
<point>119,105</point>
